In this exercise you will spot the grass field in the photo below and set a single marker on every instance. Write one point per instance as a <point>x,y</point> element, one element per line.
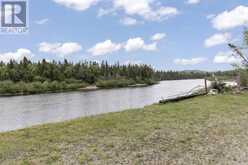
<point>204,130</point>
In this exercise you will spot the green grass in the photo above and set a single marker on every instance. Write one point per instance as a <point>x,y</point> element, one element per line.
<point>10,88</point>
<point>204,130</point>
<point>120,83</point>
<point>116,83</point>
<point>23,88</point>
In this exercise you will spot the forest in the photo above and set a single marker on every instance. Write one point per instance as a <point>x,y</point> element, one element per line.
<point>27,77</point>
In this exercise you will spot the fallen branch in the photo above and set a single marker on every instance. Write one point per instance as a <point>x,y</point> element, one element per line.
<point>180,98</point>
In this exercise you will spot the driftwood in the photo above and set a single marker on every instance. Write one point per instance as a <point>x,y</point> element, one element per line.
<point>180,98</point>
<point>197,91</point>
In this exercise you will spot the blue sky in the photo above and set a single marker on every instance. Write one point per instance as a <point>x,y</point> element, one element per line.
<point>167,34</point>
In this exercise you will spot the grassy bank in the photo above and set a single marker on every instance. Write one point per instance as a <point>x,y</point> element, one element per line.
<point>9,88</point>
<point>204,130</point>
<point>120,83</point>
<point>22,88</point>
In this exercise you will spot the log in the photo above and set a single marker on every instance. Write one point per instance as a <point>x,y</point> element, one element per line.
<point>180,98</point>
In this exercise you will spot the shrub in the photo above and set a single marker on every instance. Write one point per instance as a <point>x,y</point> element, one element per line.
<point>6,86</point>
<point>117,83</point>
<point>9,87</point>
<point>244,78</point>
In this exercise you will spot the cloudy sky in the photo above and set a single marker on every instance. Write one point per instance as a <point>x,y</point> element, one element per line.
<point>167,34</point>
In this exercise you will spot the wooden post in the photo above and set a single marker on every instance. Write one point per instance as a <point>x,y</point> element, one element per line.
<point>206,85</point>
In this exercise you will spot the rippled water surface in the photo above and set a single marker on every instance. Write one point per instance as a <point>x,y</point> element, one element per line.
<point>25,111</point>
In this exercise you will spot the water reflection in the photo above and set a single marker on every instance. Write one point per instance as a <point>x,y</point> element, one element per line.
<point>25,111</point>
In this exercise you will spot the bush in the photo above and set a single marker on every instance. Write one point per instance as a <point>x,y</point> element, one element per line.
<point>9,87</point>
<point>149,82</point>
<point>244,78</point>
<point>117,83</point>
<point>72,81</point>
<point>39,79</point>
<point>36,87</point>
<point>6,86</point>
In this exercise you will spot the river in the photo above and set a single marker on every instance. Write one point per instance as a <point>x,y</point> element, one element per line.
<point>26,111</point>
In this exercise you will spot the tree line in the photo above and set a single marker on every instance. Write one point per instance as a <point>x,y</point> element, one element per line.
<point>88,72</point>
<point>28,77</point>
<point>182,75</point>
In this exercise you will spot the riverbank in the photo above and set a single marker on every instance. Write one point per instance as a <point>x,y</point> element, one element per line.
<point>8,88</point>
<point>120,83</point>
<point>178,133</point>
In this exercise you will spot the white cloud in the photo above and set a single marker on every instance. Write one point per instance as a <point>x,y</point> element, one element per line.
<point>193,61</point>
<point>42,21</point>
<point>158,36</point>
<point>150,47</point>
<point>217,39</point>
<point>165,12</point>
<point>17,56</point>
<point>147,9</point>
<point>193,2</point>
<point>226,58</point>
<point>231,19</point>
<point>128,21</point>
<point>144,8</point>
<point>103,12</point>
<point>61,49</point>
<point>134,44</point>
<point>105,47</point>
<point>79,5</point>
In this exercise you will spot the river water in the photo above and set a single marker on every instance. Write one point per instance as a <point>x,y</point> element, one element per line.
<point>26,111</point>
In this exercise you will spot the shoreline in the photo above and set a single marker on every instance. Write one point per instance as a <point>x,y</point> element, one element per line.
<point>159,103</point>
<point>82,108</point>
<point>86,89</point>
<point>134,131</point>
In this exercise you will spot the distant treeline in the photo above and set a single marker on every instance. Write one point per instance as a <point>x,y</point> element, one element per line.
<point>43,76</point>
<point>91,72</point>
<point>180,75</point>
